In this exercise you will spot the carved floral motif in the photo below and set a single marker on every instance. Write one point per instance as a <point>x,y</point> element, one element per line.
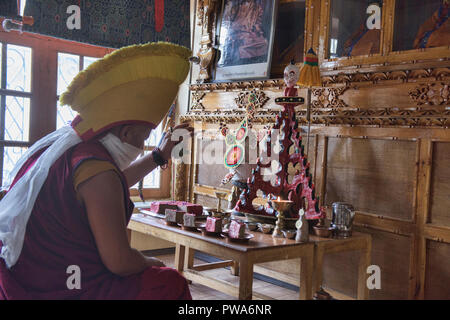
<point>328,97</point>
<point>429,107</point>
<point>376,117</point>
<point>197,100</point>
<point>433,94</point>
<point>255,97</point>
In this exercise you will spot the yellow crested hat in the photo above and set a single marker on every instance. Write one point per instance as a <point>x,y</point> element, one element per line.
<point>134,84</point>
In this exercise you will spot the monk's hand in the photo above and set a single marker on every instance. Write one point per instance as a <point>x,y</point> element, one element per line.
<point>181,132</point>
<point>154,262</point>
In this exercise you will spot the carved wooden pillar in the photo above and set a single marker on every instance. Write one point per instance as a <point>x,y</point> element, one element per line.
<point>206,14</point>
<point>180,181</point>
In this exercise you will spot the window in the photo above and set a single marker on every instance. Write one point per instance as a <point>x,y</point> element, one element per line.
<point>153,180</point>
<point>68,67</point>
<point>15,98</point>
<point>156,184</point>
<point>355,28</point>
<point>34,71</point>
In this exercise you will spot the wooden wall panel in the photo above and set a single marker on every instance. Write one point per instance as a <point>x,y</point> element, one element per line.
<point>393,164</point>
<point>375,176</point>
<point>389,251</point>
<point>210,202</point>
<point>396,94</point>
<point>437,284</point>
<point>212,174</point>
<point>227,99</point>
<point>340,272</point>
<point>440,186</point>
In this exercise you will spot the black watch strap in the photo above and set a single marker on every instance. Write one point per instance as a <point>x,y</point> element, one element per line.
<point>158,158</point>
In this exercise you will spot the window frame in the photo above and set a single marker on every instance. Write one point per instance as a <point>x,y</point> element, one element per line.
<point>4,93</point>
<point>163,192</point>
<point>43,94</point>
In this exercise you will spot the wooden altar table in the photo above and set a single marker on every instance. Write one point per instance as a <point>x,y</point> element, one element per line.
<point>240,256</point>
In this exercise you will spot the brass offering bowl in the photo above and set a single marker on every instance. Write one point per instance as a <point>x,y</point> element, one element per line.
<point>252,226</point>
<point>290,234</point>
<point>265,227</point>
<point>281,206</point>
<point>221,196</point>
<point>321,230</point>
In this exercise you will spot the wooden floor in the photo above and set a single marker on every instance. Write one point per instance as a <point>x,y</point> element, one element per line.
<point>200,292</point>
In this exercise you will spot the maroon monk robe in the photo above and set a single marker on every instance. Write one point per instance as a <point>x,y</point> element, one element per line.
<point>58,235</point>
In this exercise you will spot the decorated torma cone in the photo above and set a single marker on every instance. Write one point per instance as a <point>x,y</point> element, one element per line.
<point>301,186</point>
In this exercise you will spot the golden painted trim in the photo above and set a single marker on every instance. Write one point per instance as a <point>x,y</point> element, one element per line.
<point>440,71</point>
<point>387,31</point>
<point>437,233</point>
<point>339,115</point>
<point>260,99</point>
<point>239,85</point>
<point>197,100</point>
<point>383,223</point>
<point>432,94</point>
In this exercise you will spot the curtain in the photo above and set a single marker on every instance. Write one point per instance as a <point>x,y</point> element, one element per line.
<point>112,23</point>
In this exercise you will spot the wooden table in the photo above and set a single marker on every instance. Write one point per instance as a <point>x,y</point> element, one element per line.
<point>240,256</point>
<point>358,241</point>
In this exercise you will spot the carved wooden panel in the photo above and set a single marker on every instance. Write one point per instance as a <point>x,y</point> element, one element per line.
<point>440,186</point>
<point>389,251</point>
<point>438,271</point>
<point>379,99</point>
<point>376,176</point>
<point>432,94</point>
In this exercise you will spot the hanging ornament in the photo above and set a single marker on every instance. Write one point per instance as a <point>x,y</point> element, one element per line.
<point>242,132</point>
<point>291,75</point>
<point>223,129</point>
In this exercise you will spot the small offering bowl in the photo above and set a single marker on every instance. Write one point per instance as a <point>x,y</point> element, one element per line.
<point>290,234</point>
<point>265,227</point>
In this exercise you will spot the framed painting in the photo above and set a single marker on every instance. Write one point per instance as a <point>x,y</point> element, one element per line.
<point>421,24</point>
<point>245,34</point>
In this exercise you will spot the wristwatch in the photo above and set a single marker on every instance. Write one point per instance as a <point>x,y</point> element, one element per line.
<point>158,158</point>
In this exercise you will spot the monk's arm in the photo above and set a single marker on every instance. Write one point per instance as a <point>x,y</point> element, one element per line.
<point>103,199</point>
<point>144,165</point>
<point>139,169</point>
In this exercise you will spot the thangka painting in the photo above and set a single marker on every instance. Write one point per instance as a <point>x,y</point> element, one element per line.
<point>112,23</point>
<point>246,32</point>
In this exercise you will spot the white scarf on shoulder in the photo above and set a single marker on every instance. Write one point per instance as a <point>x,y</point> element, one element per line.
<point>123,153</point>
<point>16,206</point>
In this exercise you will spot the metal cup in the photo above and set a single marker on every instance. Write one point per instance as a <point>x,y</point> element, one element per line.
<point>343,214</point>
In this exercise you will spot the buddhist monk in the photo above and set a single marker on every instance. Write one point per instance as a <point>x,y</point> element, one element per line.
<point>63,219</point>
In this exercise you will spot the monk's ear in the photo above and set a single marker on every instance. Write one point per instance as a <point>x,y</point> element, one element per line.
<point>125,133</point>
